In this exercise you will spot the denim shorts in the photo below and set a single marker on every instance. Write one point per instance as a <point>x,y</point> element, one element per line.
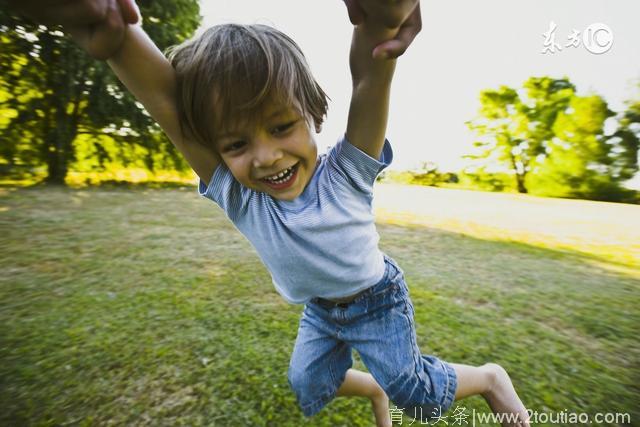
<point>379,325</point>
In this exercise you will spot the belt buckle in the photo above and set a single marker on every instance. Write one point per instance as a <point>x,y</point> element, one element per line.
<point>351,299</point>
<point>344,305</point>
<point>328,304</point>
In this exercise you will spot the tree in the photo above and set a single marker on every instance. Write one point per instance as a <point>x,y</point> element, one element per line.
<point>514,127</point>
<point>627,140</point>
<point>428,174</point>
<point>584,161</point>
<point>578,159</point>
<point>51,92</point>
<point>554,141</point>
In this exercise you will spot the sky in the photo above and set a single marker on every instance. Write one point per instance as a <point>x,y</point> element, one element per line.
<point>465,46</point>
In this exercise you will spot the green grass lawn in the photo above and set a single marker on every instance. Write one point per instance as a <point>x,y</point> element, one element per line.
<point>146,307</point>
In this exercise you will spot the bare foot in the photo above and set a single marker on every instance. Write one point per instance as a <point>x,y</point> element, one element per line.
<point>503,399</point>
<point>380,404</point>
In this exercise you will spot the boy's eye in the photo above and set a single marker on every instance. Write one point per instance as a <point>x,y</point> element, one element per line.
<point>283,128</point>
<point>234,146</point>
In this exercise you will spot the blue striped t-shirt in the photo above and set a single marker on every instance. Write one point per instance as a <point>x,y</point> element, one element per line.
<point>324,243</point>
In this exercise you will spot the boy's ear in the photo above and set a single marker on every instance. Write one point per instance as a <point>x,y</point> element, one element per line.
<point>318,128</point>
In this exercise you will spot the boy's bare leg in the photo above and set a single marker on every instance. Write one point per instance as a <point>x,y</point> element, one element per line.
<point>492,382</point>
<point>358,383</point>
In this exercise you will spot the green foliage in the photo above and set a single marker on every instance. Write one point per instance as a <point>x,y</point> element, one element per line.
<point>428,174</point>
<point>52,94</point>
<point>581,162</point>
<point>627,141</point>
<point>513,125</point>
<point>553,141</point>
<point>481,179</point>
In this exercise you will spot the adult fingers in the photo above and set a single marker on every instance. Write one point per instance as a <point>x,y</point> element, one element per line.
<point>59,12</point>
<point>407,32</point>
<point>130,11</point>
<point>389,49</point>
<point>107,36</point>
<point>391,13</point>
<point>356,14</point>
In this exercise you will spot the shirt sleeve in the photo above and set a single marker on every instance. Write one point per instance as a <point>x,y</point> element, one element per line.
<point>357,168</point>
<point>226,192</point>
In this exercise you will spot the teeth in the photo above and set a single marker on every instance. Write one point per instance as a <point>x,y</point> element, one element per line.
<point>277,179</point>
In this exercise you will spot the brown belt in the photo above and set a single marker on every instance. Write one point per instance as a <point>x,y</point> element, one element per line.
<point>339,302</point>
<point>347,299</point>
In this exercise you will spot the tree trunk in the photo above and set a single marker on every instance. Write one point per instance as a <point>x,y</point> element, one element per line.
<point>519,176</point>
<point>58,155</point>
<point>63,117</point>
<point>520,181</point>
<point>58,140</point>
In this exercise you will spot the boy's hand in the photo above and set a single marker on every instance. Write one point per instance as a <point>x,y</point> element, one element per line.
<point>97,25</point>
<point>402,15</point>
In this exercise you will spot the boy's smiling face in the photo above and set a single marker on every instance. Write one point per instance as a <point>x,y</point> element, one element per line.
<point>275,154</point>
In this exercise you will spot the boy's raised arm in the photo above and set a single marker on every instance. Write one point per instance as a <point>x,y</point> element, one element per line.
<point>149,76</point>
<point>369,108</point>
<point>389,27</point>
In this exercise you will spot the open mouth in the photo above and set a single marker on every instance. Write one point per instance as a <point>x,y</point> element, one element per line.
<point>283,178</point>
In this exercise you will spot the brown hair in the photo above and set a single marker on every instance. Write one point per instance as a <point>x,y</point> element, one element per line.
<point>232,71</point>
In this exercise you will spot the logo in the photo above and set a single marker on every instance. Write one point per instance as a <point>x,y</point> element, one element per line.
<point>597,39</point>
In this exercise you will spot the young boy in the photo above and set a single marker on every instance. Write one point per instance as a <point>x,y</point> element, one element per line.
<point>241,105</point>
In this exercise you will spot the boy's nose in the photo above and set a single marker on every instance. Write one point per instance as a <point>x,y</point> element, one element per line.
<point>266,154</point>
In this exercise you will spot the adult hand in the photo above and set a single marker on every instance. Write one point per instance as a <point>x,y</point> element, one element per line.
<point>403,15</point>
<point>97,25</point>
